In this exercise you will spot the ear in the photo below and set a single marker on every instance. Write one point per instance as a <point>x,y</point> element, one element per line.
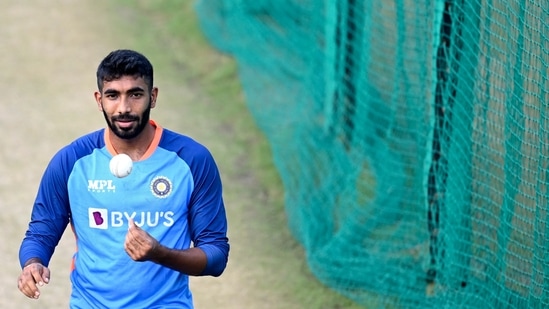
<point>97,96</point>
<point>154,96</point>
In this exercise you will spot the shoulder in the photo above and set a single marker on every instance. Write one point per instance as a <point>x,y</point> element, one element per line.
<point>80,147</point>
<point>63,162</point>
<point>195,155</point>
<point>186,147</point>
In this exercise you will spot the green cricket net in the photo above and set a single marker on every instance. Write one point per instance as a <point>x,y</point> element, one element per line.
<point>412,139</point>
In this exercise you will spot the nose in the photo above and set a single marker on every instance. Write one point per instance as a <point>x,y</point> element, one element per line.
<point>124,105</point>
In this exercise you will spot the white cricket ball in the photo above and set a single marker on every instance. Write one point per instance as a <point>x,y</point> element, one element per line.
<point>121,165</point>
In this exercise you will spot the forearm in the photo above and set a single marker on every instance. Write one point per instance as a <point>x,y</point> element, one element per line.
<point>35,249</point>
<point>191,261</point>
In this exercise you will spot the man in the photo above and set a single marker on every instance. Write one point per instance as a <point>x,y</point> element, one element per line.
<point>133,234</point>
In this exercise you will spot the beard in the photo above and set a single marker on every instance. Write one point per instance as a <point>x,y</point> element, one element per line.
<point>133,131</point>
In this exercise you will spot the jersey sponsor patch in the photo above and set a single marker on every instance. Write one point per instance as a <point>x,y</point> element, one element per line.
<point>101,218</point>
<point>98,218</point>
<point>99,186</point>
<point>161,187</point>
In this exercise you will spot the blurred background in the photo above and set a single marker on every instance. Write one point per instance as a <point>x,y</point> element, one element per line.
<point>49,54</point>
<point>374,154</point>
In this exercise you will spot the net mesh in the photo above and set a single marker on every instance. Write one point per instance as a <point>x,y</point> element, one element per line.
<point>411,138</point>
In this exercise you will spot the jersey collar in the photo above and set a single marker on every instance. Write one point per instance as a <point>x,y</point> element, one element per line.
<point>152,147</point>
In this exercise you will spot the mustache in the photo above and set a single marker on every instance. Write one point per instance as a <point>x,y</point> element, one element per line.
<point>125,117</point>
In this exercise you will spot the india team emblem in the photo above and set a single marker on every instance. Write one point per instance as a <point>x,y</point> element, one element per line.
<point>161,187</point>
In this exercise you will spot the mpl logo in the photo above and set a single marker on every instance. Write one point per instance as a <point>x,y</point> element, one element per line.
<point>101,186</point>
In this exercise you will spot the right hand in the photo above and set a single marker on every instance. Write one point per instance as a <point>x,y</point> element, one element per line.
<point>33,276</point>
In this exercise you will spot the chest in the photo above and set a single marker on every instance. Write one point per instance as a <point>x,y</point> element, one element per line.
<point>156,193</point>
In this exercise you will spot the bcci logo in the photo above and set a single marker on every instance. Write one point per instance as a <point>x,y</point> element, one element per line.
<point>161,187</point>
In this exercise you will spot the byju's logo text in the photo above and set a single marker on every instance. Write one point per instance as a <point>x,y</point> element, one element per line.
<point>100,218</point>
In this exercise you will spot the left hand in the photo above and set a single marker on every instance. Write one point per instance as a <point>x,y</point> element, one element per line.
<point>139,245</point>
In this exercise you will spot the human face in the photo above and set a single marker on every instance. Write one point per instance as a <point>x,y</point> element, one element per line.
<point>126,104</point>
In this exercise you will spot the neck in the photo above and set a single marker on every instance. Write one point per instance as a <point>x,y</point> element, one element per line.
<point>135,147</point>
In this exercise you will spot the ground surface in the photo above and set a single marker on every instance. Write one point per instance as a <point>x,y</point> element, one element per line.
<point>49,54</point>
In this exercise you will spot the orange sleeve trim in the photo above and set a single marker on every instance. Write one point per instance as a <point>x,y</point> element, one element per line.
<point>152,147</point>
<point>72,266</point>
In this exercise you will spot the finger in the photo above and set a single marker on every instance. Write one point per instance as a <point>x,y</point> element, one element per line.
<point>129,243</point>
<point>132,234</point>
<point>33,272</point>
<point>130,250</point>
<point>36,272</point>
<point>46,275</point>
<point>137,235</point>
<point>128,240</point>
<point>27,286</point>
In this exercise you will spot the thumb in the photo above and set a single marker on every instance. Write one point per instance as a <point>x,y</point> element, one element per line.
<point>46,275</point>
<point>132,225</point>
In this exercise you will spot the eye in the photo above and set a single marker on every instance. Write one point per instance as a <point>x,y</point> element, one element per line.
<point>137,95</point>
<point>111,96</point>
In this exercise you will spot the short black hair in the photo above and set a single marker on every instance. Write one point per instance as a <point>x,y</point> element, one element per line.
<point>124,62</point>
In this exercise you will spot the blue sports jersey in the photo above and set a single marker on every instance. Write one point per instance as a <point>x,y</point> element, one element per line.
<point>174,193</point>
